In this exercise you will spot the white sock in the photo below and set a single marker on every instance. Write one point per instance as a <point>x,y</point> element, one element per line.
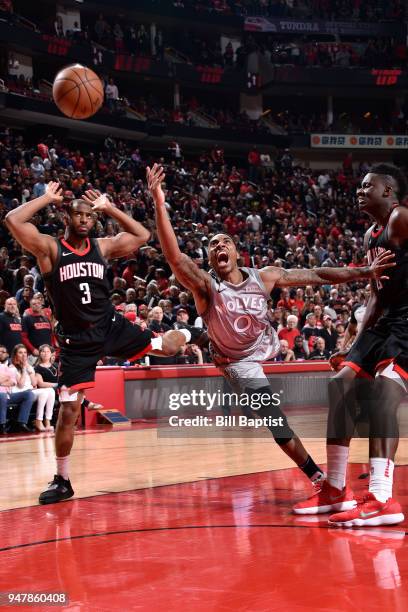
<point>62,466</point>
<point>381,478</point>
<point>337,458</point>
<point>186,333</point>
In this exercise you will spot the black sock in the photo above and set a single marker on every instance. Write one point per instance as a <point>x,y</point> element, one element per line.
<point>311,470</point>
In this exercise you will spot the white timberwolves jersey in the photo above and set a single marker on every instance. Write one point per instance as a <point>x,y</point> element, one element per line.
<point>237,320</point>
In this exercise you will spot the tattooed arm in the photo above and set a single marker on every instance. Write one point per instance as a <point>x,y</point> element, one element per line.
<point>280,277</point>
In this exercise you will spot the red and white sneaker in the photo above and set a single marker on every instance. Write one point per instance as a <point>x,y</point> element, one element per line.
<point>328,499</point>
<point>369,513</point>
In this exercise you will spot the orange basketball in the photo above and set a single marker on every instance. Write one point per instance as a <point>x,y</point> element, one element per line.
<point>78,92</point>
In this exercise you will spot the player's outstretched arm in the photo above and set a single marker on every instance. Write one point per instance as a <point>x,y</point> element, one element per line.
<point>280,277</point>
<point>26,233</point>
<point>183,267</point>
<point>125,242</point>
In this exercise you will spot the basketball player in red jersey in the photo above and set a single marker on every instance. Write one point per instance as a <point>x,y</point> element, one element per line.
<point>379,354</point>
<point>74,271</point>
<point>233,303</point>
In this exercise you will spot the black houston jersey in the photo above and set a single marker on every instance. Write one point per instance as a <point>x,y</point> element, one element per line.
<point>78,287</point>
<point>393,293</point>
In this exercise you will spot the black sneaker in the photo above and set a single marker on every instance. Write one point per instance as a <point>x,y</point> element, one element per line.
<point>58,490</point>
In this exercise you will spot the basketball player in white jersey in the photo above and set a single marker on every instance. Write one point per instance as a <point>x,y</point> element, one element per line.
<point>233,303</point>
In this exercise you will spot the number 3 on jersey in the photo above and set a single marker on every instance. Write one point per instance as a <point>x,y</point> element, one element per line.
<point>87,293</point>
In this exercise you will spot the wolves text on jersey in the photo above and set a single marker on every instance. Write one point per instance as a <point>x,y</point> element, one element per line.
<point>242,306</point>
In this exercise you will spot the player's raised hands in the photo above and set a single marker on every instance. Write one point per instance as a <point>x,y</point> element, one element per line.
<point>155,176</point>
<point>380,264</point>
<point>54,191</point>
<point>98,201</point>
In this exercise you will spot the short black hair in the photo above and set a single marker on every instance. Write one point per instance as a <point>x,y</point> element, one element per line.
<point>69,206</point>
<point>397,174</point>
<point>222,234</point>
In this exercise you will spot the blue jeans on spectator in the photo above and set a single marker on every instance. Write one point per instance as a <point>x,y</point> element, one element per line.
<point>23,399</point>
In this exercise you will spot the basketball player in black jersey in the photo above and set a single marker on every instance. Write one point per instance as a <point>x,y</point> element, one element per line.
<point>379,354</point>
<point>74,270</point>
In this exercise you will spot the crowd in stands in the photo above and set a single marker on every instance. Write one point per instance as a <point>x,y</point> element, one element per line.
<point>381,122</point>
<point>199,49</point>
<point>378,53</point>
<point>291,121</point>
<point>285,215</point>
<point>330,10</point>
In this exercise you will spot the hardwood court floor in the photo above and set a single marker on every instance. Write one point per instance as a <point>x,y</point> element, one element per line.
<point>203,524</point>
<point>107,460</point>
<point>119,460</point>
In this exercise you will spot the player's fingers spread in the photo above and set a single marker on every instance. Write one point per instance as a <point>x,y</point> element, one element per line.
<point>387,255</point>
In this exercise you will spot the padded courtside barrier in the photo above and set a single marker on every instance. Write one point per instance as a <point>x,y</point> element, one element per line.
<point>132,390</point>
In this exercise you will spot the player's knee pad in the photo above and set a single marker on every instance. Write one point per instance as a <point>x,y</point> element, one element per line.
<point>266,404</point>
<point>390,371</point>
<point>66,396</point>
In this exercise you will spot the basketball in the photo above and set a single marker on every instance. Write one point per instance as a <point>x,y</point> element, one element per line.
<point>78,92</point>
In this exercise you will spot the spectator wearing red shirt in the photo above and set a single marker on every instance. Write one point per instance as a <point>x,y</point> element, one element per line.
<point>235,179</point>
<point>162,280</point>
<point>79,161</point>
<point>290,332</point>
<point>299,301</point>
<point>43,151</point>
<point>335,231</point>
<point>254,161</point>
<point>285,300</point>
<point>321,230</point>
<point>231,223</point>
<point>318,313</point>
<point>129,272</point>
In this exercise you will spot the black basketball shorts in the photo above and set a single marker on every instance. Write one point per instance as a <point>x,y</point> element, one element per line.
<point>80,352</point>
<point>386,342</point>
